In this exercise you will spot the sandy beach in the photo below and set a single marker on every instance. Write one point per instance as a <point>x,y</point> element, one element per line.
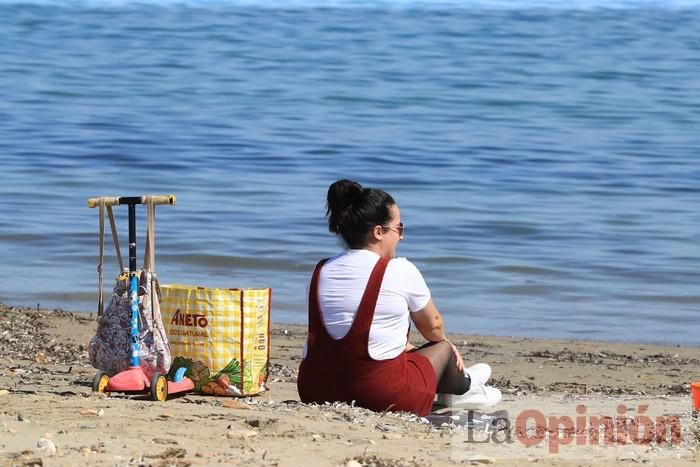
<point>593,402</point>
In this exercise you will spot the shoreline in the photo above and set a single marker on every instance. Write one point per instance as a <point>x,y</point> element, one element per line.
<point>45,393</point>
<point>645,343</point>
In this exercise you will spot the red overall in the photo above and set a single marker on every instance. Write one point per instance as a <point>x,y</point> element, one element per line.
<point>342,370</point>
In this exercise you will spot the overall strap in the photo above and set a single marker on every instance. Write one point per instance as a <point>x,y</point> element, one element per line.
<point>315,321</point>
<point>365,312</point>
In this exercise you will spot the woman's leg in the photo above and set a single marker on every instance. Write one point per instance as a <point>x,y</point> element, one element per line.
<point>442,358</point>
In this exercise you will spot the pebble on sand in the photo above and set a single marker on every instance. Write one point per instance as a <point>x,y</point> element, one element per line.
<point>46,445</point>
<point>477,459</point>
<point>241,434</point>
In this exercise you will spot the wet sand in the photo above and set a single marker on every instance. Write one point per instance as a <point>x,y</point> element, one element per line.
<point>49,415</point>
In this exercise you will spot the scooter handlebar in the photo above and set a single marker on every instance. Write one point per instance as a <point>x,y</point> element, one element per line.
<point>117,200</point>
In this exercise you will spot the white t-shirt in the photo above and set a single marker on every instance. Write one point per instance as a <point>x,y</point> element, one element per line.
<point>340,287</point>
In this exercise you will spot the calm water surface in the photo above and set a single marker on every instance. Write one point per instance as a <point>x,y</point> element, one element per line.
<point>545,156</point>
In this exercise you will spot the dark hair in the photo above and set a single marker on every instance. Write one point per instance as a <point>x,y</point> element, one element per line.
<point>353,211</point>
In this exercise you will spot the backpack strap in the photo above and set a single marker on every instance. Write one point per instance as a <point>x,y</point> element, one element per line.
<point>115,237</point>
<point>100,278</point>
<point>149,260</point>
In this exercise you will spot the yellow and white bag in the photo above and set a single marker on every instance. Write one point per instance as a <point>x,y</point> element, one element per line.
<point>222,336</point>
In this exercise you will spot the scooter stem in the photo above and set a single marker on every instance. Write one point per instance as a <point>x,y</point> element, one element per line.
<point>134,306</point>
<point>133,287</point>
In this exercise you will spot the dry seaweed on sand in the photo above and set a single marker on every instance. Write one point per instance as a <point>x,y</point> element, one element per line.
<point>374,461</point>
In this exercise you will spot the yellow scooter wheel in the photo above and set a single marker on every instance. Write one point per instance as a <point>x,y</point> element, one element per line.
<point>100,381</point>
<point>159,387</point>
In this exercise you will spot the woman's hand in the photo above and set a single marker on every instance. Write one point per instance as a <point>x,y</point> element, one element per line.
<point>458,357</point>
<point>409,347</point>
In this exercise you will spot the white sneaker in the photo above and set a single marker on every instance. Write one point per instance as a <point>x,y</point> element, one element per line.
<point>479,396</point>
<point>480,372</point>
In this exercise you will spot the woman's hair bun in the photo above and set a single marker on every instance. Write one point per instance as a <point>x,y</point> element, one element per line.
<point>341,196</point>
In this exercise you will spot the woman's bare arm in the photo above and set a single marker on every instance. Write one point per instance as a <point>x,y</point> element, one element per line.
<point>429,323</point>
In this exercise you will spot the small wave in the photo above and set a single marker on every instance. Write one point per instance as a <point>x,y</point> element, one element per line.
<point>22,237</point>
<point>359,4</point>
<point>526,289</point>
<point>660,298</point>
<point>239,262</point>
<point>449,260</point>
<point>529,270</point>
<point>511,229</point>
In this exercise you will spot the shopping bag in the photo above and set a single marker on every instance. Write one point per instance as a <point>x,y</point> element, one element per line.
<point>222,336</point>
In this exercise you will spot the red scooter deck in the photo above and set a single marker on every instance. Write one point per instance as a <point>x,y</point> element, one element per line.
<point>134,380</point>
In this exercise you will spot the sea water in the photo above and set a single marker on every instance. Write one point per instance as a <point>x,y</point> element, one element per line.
<point>544,154</point>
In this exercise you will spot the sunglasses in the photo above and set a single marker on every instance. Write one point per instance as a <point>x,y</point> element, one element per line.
<point>398,229</point>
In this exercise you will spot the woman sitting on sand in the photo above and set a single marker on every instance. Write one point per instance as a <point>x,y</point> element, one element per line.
<point>361,303</point>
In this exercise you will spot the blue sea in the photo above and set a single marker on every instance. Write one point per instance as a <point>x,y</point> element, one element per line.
<point>544,153</point>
